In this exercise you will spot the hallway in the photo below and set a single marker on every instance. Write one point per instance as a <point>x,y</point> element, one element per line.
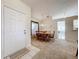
<point>57,49</point>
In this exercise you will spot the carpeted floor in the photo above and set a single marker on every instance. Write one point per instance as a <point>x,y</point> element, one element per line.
<point>55,49</point>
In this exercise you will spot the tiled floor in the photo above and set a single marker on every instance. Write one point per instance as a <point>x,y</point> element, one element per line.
<point>55,49</point>
<point>29,55</point>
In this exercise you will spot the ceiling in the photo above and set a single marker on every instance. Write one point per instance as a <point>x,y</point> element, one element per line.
<point>54,8</point>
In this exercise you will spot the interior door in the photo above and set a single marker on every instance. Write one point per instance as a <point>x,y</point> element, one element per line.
<point>14,26</point>
<point>61,29</point>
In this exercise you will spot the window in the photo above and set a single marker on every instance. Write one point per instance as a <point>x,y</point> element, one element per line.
<point>75,24</point>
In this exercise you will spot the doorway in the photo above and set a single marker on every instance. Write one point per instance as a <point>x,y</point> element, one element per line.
<point>61,30</point>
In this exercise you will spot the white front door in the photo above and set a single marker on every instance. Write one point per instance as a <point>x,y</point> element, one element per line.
<point>61,29</point>
<point>14,26</point>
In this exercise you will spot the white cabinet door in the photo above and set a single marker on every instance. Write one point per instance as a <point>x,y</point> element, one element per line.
<point>14,26</point>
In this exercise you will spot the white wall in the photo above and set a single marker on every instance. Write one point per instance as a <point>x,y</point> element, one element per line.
<point>35,19</point>
<point>16,5</point>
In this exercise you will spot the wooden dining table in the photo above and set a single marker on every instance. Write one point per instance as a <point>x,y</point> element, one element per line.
<point>44,36</point>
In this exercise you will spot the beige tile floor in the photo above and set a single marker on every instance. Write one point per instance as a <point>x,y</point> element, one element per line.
<point>33,51</point>
<point>55,49</point>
